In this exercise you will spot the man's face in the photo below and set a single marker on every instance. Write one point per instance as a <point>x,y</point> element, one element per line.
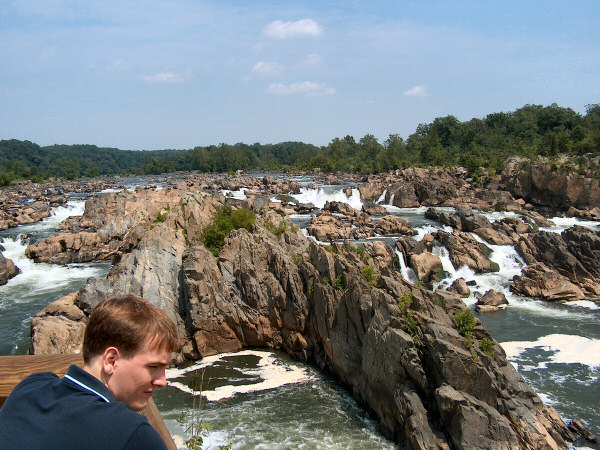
<point>134,379</point>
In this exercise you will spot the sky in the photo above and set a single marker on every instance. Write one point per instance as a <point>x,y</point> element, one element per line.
<point>145,75</point>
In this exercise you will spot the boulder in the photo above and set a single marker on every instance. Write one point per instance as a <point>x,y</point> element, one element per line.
<point>8,269</point>
<point>393,225</point>
<point>427,267</point>
<point>464,250</point>
<point>539,281</point>
<point>574,254</point>
<point>491,301</point>
<point>327,228</point>
<point>58,328</point>
<point>460,287</point>
<point>373,209</point>
<point>461,220</point>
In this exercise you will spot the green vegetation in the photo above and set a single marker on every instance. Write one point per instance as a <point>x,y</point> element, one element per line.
<point>277,230</point>
<point>339,283</point>
<point>223,222</point>
<point>441,302</point>
<point>533,130</point>
<point>464,323</point>
<point>194,425</point>
<point>487,347</point>
<point>162,216</point>
<point>371,276</point>
<point>412,324</point>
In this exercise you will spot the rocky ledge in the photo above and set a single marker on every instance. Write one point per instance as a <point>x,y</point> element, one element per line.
<point>346,309</point>
<point>8,269</point>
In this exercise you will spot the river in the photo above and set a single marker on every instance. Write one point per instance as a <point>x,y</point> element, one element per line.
<point>263,399</point>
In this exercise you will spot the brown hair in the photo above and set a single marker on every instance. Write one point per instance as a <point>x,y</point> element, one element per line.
<point>127,322</point>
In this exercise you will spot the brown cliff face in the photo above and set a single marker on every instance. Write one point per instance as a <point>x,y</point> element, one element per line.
<point>426,387</point>
<point>339,309</point>
<point>545,184</point>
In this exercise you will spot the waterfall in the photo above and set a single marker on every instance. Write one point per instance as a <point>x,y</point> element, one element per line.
<point>407,273</point>
<point>382,196</point>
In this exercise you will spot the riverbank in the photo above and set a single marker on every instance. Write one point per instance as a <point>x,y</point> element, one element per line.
<point>191,217</point>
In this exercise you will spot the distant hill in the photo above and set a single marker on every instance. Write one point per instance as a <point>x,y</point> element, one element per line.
<point>531,131</point>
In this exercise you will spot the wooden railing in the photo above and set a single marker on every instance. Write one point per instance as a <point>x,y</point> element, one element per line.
<point>13,369</point>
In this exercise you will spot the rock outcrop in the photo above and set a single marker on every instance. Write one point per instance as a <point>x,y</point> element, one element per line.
<point>343,307</point>
<point>539,281</point>
<point>491,301</point>
<point>8,269</point>
<point>58,328</point>
<point>552,185</point>
<point>464,250</point>
<point>338,308</point>
<point>573,254</point>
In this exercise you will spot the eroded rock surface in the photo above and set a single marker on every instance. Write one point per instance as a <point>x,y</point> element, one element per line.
<point>8,269</point>
<point>337,308</point>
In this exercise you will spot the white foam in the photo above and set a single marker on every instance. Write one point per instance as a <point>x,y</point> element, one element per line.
<point>319,197</point>
<point>428,229</point>
<point>57,215</point>
<point>494,216</point>
<point>272,375</point>
<point>583,304</point>
<point>567,349</point>
<point>563,223</point>
<point>42,277</point>
<point>240,194</point>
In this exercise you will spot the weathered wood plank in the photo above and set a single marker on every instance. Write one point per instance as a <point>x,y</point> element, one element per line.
<point>13,369</point>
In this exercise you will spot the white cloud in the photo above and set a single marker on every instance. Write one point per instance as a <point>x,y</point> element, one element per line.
<point>168,77</point>
<point>417,91</point>
<point>291,30</point>
<point>307,88</point>
<point>312,60</point>
<point>119,65</point>
<point>267,68</point>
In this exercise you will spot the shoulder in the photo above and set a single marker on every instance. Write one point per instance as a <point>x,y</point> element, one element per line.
<point>145,437</point>
<point>35,381</point>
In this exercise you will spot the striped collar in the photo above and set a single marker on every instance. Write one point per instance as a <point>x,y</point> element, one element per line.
<point>88,382</point>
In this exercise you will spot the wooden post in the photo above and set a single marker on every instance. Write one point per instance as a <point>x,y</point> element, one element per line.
<point>13,369</point>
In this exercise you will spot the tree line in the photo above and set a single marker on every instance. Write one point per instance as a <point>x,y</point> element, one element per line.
<point>530,131</point>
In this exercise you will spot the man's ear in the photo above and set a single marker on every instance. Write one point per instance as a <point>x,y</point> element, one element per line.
<point>109,360</point>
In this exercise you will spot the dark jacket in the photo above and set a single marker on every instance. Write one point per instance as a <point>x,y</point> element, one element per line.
<point>74,412</point>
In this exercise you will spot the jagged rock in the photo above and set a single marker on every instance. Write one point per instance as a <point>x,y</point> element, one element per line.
<point>326,228</point>
<point>393,225</point>
<point>577,427</point>
<point>427,267</point>
<point>405,362</point>
<point>461,220</point>
<point>491,301</point>
<point>254,295</point>
<point>8,269</point>
<point>460,287</point>
<point>541,282</point>
<point>373,209</point>
<point>574,254</point>
<point>464,250</point>
<point>383,255</point>
<point>58,328</point>
<point>542,184</point>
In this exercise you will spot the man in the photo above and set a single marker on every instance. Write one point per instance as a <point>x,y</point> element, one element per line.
<point>126,348</point>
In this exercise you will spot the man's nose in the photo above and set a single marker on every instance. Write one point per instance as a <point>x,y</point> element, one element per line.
<point>161,380</point>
